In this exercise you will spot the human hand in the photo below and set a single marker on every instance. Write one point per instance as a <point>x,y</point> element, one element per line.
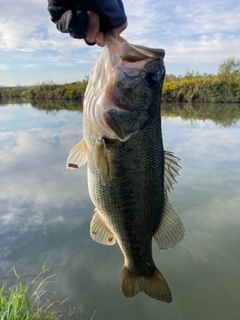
<point>94,35</point>
<point>88,20</point>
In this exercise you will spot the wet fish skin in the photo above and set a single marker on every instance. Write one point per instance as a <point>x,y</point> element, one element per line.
<point>132,200</point>
<point>127,165</point>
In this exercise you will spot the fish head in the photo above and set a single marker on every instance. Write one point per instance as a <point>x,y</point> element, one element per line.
<point>127,82</point>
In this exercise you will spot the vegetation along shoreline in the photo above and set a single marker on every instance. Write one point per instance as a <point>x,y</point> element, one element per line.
<point>221,88</point>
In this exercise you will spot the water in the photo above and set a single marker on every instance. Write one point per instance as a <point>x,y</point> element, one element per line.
<point>45,213</point>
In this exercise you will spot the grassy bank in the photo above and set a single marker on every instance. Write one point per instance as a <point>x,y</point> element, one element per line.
<point>21,302</point>
<point>47,91</point>
<point>221,88</point>
<point>32,301</point>
<point>215,89</point>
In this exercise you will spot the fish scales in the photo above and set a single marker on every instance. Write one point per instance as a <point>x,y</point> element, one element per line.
<point>129,173</point>
<point>125,199</point>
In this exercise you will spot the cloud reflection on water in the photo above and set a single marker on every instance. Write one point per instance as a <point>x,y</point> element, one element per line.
<point>46,211</point>
<point>33,170</point>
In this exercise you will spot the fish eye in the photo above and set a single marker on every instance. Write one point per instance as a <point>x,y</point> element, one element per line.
<point>152,77</point>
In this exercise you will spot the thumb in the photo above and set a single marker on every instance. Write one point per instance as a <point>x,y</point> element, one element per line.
<point>93,26</point>
<point>116,31</point>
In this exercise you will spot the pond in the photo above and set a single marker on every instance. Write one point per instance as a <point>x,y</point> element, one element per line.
<point>45,212</point>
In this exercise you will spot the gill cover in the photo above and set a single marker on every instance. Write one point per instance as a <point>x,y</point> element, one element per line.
<point>118,95</point>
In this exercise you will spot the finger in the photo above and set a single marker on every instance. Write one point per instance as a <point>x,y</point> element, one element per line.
<point>100,39</point>
<point>93,26</point>
<point>116,31</point>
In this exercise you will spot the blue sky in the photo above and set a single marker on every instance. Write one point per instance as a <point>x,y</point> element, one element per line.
<point>197,35</point>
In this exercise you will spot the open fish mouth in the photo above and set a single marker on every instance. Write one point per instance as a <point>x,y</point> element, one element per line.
<point>117,81</point>
<point>130,52</point>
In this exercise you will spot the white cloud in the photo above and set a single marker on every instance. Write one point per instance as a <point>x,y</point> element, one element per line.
<point>31,66</point>
<point>205,17</point>
<point>191,32</point>
<point>207,49</point>
<point>3,67</point>
<point>18,21</point>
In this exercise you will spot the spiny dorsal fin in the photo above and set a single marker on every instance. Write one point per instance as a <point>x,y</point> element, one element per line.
<point>100,232</point>
<point>101,159</point>
<point>170,231</point>
<point>77,156</point>
<point>171,168</point>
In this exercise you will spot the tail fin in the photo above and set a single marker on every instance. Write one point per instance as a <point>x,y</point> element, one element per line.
<point>155,286</point>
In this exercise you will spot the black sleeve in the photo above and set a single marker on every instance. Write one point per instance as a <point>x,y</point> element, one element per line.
<point>70,16</point>
<point>113,11</point>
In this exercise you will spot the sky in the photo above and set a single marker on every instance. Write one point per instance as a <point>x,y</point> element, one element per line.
<point>196,35</point>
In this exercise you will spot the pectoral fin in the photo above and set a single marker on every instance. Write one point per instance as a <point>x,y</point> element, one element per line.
<point>77,156</point>
<point>100,232</point>
<point>170,231</point>
<point>101,159</point>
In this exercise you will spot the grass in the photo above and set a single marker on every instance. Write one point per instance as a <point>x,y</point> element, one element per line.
<point>19,303</point>
<point>209,88</point>
<point>47,91</point>
<point>31,301</point>
<point>221,88</point>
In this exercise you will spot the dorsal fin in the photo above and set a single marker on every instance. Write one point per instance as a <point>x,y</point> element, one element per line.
<point>170,230</point>
<point>171,168</point>
<point>77,156</point>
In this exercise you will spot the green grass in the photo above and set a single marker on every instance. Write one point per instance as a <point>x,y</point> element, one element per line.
<point>31,301</point>
<point>47,91</point>
<point>221,88</point>
<point>20,302</point>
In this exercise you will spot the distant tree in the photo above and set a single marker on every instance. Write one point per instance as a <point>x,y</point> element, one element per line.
<point>170,77</point>
<point>192,74</point>
<point>230,66</point>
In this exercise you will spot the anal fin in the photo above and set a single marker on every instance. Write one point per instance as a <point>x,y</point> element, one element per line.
<point>77,156</point>
<point>100,232</point>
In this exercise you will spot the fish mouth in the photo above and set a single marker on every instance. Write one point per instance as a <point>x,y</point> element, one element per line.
<point>131,52</point>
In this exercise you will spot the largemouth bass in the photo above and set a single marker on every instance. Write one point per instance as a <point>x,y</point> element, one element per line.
<point>129,173</point>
